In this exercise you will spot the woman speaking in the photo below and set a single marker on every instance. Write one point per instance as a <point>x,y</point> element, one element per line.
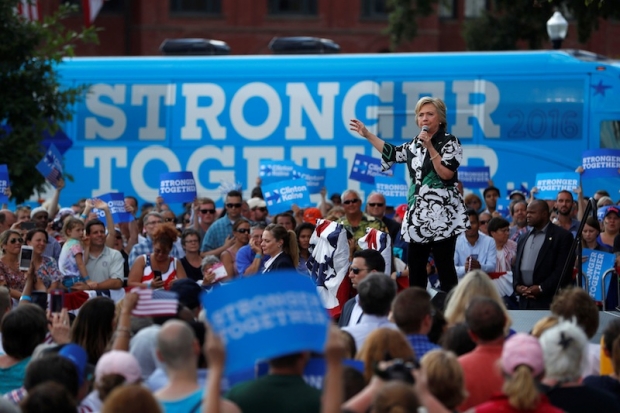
<point>436,211</point>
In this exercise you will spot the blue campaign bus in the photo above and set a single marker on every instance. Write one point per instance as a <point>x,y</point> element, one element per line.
<point>519,113</point>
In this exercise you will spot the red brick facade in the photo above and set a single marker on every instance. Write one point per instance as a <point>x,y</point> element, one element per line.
<point>247,27</point>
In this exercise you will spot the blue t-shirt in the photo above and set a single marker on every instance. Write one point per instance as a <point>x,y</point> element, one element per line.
<point>189,404</point>
<point>12,378</point>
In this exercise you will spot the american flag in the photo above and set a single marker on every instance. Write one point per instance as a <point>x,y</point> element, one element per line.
<point>29,9</point>
<point>153,303</point>
<point>91,9</point>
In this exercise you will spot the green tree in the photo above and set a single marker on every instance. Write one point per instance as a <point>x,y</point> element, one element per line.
<point>32,99</point>
<point>514,21</point>
<point>402,19</point>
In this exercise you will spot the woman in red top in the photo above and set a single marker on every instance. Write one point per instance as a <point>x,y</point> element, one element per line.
<point>158,269</point>
<point>523,366</point>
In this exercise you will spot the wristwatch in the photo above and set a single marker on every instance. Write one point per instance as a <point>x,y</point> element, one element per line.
<point>540,288</point>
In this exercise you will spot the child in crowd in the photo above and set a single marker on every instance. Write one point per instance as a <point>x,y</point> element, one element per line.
<point>71,261</point>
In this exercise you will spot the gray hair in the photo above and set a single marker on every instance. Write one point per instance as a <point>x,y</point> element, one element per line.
<point>350,191</point>
<point>150,214</point>
<point>564,349</point>
<point>208,260</point>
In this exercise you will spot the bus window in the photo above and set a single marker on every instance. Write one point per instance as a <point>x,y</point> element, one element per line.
<point>610,134</point>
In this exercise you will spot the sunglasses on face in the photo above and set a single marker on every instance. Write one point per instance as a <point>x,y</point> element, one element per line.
<point>350,201</point>
<point>14,240</point>
<point>233,205</point>
<point>169,219</point>
<point>208,211</point>
<point>243,231</point>
<point>356,270</point>
<point>376,204</point>
<point>484,222</point>
<point>186,221</point>
<point>261,209</point>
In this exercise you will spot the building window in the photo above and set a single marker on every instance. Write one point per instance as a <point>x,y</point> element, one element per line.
<point>374,8</point>
<point>447,9</point>
<point>298,7</point>
<point>474,8</point>
<point>196,6</point>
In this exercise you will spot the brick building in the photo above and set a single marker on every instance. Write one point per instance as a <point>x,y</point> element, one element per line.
<point>138,27</point>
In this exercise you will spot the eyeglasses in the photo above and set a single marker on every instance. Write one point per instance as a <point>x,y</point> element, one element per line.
<point>350,201</point>
<point>484,222</point>
<point>243,231</point>
<point>376,204</point>
<point>233,205</point>
<point>14,240</point>
<point>207,211</point>
<point>261,209</point>
<point>356,270</point>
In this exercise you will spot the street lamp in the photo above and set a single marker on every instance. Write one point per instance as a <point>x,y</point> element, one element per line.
<point>557,26</point>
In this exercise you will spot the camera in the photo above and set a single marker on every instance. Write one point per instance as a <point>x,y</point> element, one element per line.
<point>398,369</point>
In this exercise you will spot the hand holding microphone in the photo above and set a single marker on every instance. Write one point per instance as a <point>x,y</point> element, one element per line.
<point>424,137</point>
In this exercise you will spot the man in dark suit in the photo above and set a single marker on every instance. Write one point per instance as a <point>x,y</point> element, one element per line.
<point>541,255</point>
<point>364,262</point>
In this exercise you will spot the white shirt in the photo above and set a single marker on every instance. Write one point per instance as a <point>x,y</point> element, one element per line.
<point>484,247</point>
<point>367,325</point>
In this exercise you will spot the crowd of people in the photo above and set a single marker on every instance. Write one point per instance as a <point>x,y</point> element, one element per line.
<point>428,320</point>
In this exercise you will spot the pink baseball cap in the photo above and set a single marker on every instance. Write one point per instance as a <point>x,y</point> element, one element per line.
<point>522,349</point>
<point>118,362</point>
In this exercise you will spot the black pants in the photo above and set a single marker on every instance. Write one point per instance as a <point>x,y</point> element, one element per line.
<point>443,253</point>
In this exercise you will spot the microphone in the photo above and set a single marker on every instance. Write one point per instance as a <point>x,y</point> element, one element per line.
<point>417,140</point>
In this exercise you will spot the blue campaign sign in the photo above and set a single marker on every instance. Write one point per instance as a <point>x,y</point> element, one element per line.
<point>273,171</point>
<point>116,203</point>
<point>503,207</point>
<point>266,316</point>
<point>594,267</point>
<point>177,187</point>
<point>549,184</point>
<point>4,184</point>
<point>394,190</point>
<point>51,165</point>
<point>366,168</point>
<point>474,176</point>
<point>315,178</point>
<point>280,196</point>
<point>601,163</point>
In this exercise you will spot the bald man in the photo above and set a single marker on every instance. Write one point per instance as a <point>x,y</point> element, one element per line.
<point>178,350</point>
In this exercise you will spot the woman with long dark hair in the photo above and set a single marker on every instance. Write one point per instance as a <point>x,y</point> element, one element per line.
<point>281,245</point>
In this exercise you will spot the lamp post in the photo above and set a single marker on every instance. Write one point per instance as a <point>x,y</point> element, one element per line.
<point>557,26</point>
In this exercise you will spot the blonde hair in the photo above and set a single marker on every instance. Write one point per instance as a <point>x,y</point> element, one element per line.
<point>439,105</point>
<point>544,324</point>
<point>381,343</point>
<point>445,377</point>
<point>520,387</point>
<point>476,283</point>
<point>70,223</point>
